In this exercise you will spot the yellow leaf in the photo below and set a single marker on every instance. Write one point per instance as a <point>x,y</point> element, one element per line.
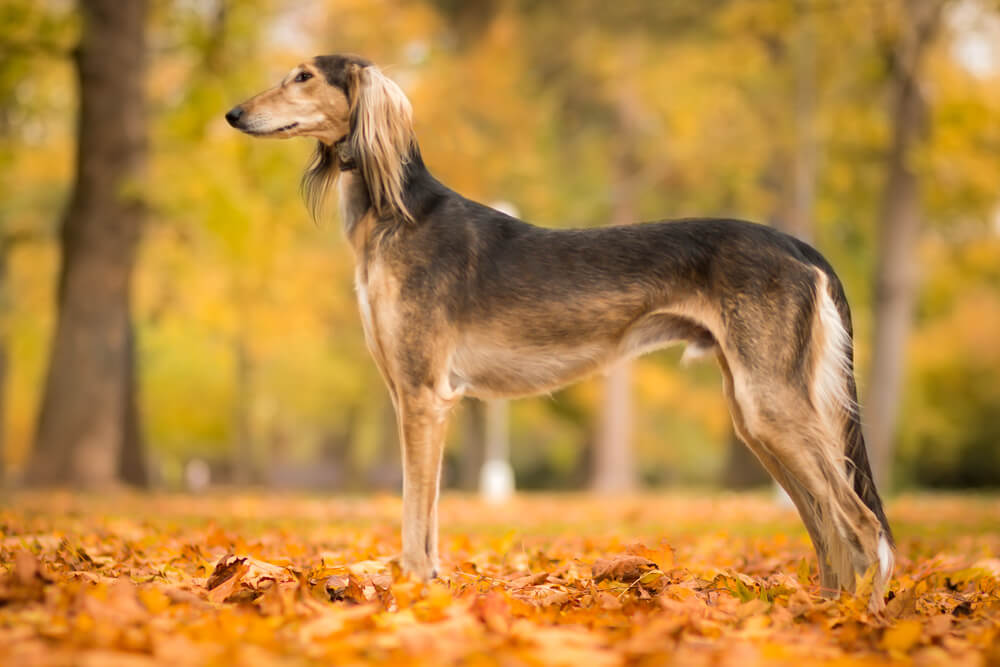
<point>154,600</point>
<point>367,567</point>
<point>902,637</point>
<point>651,577</point>
<point>802,572</point>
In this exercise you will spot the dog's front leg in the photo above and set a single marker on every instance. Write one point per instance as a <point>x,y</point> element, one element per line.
<point>422,420</point>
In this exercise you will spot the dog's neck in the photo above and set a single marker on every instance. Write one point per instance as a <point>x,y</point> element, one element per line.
<point>355,198</point>
<point>354,202</point>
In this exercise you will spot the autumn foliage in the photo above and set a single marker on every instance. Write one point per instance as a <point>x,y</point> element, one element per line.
<point>560,580</point>
<point>238,294</point>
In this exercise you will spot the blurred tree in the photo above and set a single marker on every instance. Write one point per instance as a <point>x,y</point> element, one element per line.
<point>598,79</point>
<point>468,19</point>
<point>85,405</point>
<point>787,98</point>
<point>472,431</point>
<point>905,40</point>
<point>615,468</point>
<point>386,473</point>
<point>30,34</point>
<point>133,466</point>
<point>5,243</point>
<point>526,91</point>
<point>242,452</point>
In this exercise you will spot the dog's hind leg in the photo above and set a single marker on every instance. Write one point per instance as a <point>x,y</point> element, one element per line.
<point>795,491</point>
<point>849,532</point>
<point>788,434</point>
<point>422,416</point>
<point>787,363</point>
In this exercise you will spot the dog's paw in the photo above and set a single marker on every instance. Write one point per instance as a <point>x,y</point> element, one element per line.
<point>419,566</point>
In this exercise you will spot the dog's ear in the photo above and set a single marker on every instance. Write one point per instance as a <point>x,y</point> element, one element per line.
<point>353,85</point>
<point>382,138</point>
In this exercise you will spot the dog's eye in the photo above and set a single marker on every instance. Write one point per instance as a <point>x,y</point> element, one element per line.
<point>302,76</point>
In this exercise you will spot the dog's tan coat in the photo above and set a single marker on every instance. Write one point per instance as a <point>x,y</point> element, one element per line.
<point>457,299</point>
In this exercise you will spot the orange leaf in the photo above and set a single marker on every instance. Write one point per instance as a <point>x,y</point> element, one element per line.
<point>622,568</point>
<point>902,637</point>
<point>230,585</point>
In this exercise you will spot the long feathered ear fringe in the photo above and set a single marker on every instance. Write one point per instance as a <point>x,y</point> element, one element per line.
<point>319,178</point>
<point>382,140</point>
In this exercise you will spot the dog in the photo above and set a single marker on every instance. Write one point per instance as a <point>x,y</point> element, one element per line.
<point>458,299</point>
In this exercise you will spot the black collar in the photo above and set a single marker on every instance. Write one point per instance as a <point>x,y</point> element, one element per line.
<point>345,160</point>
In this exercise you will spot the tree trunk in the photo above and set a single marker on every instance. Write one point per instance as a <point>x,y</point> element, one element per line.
<point>896,263</point>
<point>614,461</point>
<point>4,358</point>
<point>799,220</point>
<point>473,444</point>
<point>496,478</point>
<point>132,468</point>
<point>742,470</point>
<point>794,213</point>
<point>244,468</point>
<point>386,473</point>
<point>81,424</point>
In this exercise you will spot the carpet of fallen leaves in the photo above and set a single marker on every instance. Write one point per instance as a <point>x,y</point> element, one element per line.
<point>128,579</point>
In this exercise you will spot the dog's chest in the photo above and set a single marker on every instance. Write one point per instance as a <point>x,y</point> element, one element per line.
<point>376,292</point>
<point>365,307</point>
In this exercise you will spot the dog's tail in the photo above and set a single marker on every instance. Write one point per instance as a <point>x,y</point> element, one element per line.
<point>857,455</point>
<point>837,385</point>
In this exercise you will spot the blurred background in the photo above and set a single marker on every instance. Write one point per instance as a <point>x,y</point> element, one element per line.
<point>170,317</point>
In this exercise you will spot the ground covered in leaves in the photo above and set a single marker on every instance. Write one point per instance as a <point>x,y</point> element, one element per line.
<point>545,580</point>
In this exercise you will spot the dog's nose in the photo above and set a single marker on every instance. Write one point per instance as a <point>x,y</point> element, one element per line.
<point>233,115</point>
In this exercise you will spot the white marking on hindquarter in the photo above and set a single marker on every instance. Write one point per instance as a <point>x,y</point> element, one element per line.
<point>832,369</point>
<point>885,558</point>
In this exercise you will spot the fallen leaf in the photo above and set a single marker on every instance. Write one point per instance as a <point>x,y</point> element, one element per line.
<point>223,588</point>
<point>902,637</point>
<point>284,592</point>
<point>622,568</point>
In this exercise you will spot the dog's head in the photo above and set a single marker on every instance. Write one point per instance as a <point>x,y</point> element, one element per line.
<point>314,99</point>
<point>358,115</point>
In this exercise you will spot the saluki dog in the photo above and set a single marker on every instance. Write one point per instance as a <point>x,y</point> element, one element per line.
<point>458,299</point>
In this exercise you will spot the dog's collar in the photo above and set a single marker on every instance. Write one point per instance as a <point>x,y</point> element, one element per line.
<point>345,160</point>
